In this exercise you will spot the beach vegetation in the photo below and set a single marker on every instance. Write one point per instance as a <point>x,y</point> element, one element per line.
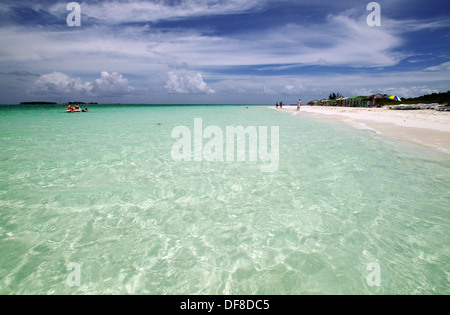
<point>334,96</point>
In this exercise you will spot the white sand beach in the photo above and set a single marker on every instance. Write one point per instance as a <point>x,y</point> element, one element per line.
<point>426,127</point>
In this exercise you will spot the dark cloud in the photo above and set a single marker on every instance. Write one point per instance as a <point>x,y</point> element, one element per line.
<point>20,74</point>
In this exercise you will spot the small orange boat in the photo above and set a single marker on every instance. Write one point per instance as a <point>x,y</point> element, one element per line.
<point>73,109</point>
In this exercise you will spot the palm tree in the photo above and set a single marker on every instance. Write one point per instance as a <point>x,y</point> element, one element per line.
<point>334,96</point>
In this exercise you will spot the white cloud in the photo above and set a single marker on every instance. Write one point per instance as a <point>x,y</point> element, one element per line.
<point>60,83</point>
<point>111,83</point>
<point>269,91</point>
<point>118,11</point>
<point>413,91</point>
<point>187,83</point>
<point>57,83</point>
<point>411,25</point>
<point>442,67</point>
<point>342,40</point>
<point>319,85</point>
<point>294,88</point>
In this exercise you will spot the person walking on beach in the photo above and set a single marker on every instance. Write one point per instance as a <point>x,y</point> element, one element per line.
<point>299,103</point>
<point>278,105</point>
<point>281,105</point>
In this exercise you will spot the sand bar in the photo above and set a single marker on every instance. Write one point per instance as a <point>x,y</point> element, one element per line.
<point>426,127</point>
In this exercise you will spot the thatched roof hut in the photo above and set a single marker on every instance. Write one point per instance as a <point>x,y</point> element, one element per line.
<point>376,97</point>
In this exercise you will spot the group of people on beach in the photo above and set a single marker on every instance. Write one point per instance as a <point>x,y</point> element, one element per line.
<point>299,103</point>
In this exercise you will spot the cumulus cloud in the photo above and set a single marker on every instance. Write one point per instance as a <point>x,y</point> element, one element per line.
<point>57,83</point>
<point>60,83</point>
<point>293,88</point>
<point>111,83</point>
<point>187,83</point>
<point>269,91</point>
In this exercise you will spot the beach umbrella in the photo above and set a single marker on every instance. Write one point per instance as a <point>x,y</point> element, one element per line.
<point>395,98</point>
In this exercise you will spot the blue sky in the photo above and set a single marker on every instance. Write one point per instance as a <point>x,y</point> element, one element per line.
<point>218,51</point>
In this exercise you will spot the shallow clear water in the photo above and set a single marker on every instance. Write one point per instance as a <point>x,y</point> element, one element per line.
<point>101,189</point>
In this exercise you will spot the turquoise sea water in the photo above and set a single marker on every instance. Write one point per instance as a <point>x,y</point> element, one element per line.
<point>101,190</point>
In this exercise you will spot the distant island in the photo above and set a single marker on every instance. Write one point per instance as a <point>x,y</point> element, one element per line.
<point>38,103</point>
<point>82,103</point>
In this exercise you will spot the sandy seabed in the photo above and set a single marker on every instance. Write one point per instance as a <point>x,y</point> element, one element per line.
<point>426,127</point>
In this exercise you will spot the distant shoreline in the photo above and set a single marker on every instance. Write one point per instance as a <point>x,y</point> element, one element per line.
<point>38,103</point>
